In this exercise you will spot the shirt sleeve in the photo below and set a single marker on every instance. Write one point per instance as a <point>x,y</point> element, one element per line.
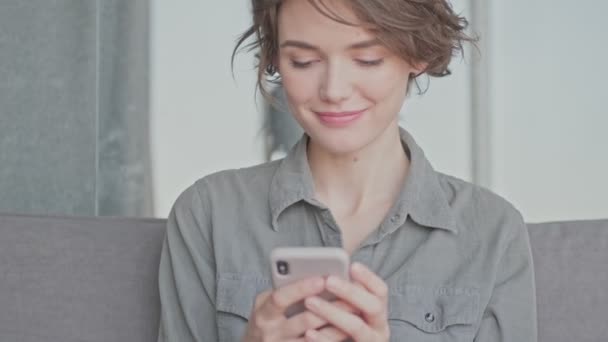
<point>187,274</point>
<point>511,312</point>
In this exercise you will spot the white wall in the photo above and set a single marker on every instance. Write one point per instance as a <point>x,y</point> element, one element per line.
<point>548,78</point>
<point>203,121</point>
<point>440,119</point>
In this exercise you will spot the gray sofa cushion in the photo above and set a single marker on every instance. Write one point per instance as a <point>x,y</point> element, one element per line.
<point>95,279</point>
<point>79,279</point>
<point>571,265</point>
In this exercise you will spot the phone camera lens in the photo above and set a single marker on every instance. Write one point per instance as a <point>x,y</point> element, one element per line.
<point>283,267</point>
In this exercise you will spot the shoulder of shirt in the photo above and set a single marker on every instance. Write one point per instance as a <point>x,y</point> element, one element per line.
<point>232,181</point>
<point>246,174</point>
<point>226,183</point>
<point>480,208</point>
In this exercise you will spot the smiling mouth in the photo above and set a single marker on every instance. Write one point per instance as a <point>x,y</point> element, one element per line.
<point>339,118</point>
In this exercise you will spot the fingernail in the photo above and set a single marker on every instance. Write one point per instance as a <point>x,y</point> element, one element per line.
<point>357,267</point>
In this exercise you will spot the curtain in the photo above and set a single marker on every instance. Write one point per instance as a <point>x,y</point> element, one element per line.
<point>74,108</point>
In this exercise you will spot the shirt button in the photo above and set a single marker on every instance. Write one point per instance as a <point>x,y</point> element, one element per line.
<point>429,317</point>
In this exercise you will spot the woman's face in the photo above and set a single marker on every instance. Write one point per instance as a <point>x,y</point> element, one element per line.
<point>343,87</point>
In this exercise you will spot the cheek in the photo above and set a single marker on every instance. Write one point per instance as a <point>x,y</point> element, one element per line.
<point>300,87</point>
<point>385,86</point>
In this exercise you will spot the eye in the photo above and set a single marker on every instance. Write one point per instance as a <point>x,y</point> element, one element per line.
<point>301,65</point>
<point>369,63</point>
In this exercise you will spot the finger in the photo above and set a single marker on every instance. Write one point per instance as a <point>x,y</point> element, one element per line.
<point>369,280</point>
<point>372,307</point>
<point>333,333</point>
<point>346,307</point>
<point>351,324</point>
<point>298,324</point>
<point>280,299</point>
<point>299,339</point>
<point>261,298</point>
<point>315,336</point>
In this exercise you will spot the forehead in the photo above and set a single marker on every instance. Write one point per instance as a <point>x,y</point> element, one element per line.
<point>301,20</point>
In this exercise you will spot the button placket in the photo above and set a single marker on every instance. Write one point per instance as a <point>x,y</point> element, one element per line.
<point>335,239</point>
<point>362,255</point>
<point>329,220</point>
<point>392,223</point>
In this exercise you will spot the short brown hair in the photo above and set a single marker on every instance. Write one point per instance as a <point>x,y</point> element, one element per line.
<point>421,31</point>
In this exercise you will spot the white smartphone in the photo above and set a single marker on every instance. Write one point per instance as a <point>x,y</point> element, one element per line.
<point>290,264</point>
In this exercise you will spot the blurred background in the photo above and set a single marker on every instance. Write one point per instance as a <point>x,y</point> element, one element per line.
<point>113,108</point>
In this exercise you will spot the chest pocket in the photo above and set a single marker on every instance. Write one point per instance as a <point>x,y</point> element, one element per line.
<point>426,314</point>
<point>235,299</point>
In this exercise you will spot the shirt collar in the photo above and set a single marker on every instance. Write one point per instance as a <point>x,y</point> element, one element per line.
<point>421,198</point>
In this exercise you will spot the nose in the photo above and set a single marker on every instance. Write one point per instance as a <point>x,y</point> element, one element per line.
<point>336,85</point>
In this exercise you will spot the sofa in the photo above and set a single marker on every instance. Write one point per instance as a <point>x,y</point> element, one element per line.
<point>67,279</point>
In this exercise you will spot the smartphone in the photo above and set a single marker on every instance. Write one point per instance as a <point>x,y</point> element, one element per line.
<point>290,264</point>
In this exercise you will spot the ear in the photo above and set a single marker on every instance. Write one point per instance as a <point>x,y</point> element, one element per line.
<point>419,68</point>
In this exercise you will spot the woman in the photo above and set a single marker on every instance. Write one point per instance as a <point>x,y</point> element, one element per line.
<point>436,258</point>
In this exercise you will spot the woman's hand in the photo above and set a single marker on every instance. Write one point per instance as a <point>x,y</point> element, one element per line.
<point>268,321</point>
<point>367,294</point>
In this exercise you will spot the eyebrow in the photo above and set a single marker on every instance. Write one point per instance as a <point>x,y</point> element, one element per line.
<point>356,46</point>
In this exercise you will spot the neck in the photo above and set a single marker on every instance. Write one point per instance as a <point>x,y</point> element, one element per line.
<point>348,183</point>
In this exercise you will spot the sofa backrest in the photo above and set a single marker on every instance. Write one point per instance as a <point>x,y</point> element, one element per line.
<point>571,269</point>
<point>95,279</point>
<point>79,279</point>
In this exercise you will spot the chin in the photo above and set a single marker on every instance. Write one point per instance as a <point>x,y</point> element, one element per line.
<point>340,144</point>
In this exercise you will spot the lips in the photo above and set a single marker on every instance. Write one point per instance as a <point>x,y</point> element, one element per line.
<point>339,118</point>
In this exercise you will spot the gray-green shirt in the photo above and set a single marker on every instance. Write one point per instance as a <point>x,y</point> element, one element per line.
<point>456,257</point>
